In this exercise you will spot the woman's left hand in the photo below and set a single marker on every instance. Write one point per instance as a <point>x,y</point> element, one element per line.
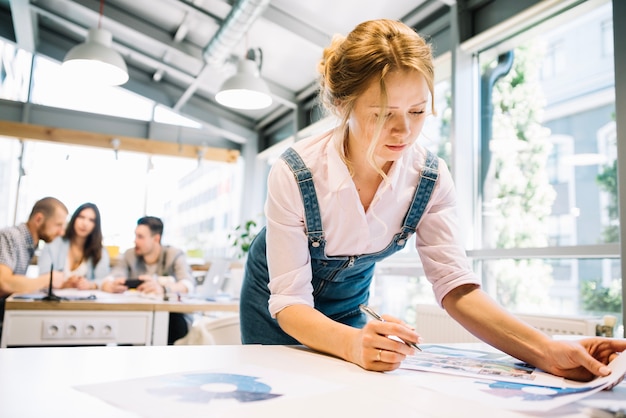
<point>80,283</point>
<point>584,359</point>
<point>84,284</point>
<point>70,282</point>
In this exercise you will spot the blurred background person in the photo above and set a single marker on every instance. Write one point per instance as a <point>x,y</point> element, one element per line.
<point>160,269</point>
<point>79,254</point>
<point>18,244</point>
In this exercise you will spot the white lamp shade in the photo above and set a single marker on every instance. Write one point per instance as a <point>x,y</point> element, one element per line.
<point>245,90</point>
<point>95,61</point>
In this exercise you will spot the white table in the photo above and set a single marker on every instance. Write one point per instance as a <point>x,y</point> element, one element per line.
<point>109,319</point>
<point>41,382</point>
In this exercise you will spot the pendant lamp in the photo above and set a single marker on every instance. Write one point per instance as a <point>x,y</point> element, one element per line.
<point>95,61</point>
<point>246,89</point>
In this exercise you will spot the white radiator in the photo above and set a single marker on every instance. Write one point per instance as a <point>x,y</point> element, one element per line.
<point>436,326</point>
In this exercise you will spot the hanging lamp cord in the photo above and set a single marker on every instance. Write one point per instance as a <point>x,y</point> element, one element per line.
<point>256,55</point>
<point>101,14</point>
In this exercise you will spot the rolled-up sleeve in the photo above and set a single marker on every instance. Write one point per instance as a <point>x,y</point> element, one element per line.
<point>439,242</point>
<point>289,260</point>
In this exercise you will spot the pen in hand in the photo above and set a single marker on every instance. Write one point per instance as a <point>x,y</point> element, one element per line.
<point>369,311</point>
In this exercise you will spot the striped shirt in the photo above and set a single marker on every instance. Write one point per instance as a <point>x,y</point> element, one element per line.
<point>16,248</point>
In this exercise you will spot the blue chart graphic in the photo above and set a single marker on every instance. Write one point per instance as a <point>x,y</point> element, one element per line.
<point>207,387</point>
<point>529,392</point>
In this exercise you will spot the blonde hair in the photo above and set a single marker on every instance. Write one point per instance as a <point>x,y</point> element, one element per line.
<point>351,63</point>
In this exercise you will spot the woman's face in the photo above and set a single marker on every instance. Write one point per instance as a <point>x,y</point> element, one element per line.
<point>85,222</point>
<point>407,98</point>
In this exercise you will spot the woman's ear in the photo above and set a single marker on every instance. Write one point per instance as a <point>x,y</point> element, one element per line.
<point>339,105</point>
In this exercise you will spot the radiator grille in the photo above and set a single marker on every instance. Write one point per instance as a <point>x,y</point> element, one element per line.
<point>436,326</point>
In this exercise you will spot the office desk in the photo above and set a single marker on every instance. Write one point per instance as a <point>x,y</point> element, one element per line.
<point>109,319</point>
<point>162,310</point>
<point>42,382</point>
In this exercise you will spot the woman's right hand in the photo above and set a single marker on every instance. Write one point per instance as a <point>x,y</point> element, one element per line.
<point>380,348</point>
<point>71,282</point>
<point>58,279</point>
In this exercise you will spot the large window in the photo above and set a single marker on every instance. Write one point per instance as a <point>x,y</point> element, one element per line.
<point>541,209</point>
<point>198,201</point>
<point>548,241</point>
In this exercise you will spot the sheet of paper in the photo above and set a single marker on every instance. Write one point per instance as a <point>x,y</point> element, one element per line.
<point>500,380</point>
<point>207,393</point>
<point>500,367</point>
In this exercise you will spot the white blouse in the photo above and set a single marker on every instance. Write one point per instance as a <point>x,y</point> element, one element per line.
<point>80,271</point>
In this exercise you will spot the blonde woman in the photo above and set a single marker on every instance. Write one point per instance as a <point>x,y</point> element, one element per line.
<point>341,201</point>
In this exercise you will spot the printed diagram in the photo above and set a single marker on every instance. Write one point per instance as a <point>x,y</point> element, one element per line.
<point>474,366</point>
<point>240,389</point>
<point>500,380</point>
<point>206,387</point>
<point>529,393</point>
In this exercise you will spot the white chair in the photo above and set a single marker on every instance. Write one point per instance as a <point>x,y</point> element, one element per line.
<point>213,331</point>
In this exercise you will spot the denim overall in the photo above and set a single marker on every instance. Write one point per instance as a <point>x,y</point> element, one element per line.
<point>340,284</point>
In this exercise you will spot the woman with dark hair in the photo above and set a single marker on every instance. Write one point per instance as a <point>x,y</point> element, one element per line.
<point>79,254</point>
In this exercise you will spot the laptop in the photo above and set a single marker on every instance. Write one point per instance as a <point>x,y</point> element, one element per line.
<point>214,280</point>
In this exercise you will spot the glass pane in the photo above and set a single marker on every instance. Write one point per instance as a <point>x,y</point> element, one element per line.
<point>578,287</point>
<point>549,155</point>
<point>9,178</point>
<point>436,132</point>
<point>398,288</point>
<point>198,201</point>
<point>165,115</point>
<point>52,88</point>
<point>15,66</point>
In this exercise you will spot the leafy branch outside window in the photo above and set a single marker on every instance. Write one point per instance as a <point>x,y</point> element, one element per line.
<point>596,298</point>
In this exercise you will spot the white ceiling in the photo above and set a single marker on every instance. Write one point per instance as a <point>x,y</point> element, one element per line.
<point>164,42</point>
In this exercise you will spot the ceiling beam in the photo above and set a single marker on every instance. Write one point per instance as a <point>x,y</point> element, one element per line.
<point>297,26</point>
<point>126,143</point>
<point>422,12</point>
<point>111,125</point>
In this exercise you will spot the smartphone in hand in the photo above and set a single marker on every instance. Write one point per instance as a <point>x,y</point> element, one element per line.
<point>132,283</point>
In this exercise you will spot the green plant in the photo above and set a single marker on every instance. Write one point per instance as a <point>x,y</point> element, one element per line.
<point>242,237</point>
<point>596,298</point>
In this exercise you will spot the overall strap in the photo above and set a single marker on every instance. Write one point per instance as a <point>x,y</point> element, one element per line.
<point>304,178</point>
<point>428,178</point>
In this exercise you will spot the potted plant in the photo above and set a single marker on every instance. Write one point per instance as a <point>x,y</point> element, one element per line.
<point>242,237</point>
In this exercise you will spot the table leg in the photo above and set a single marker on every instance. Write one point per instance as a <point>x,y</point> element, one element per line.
<point>160,327</point>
